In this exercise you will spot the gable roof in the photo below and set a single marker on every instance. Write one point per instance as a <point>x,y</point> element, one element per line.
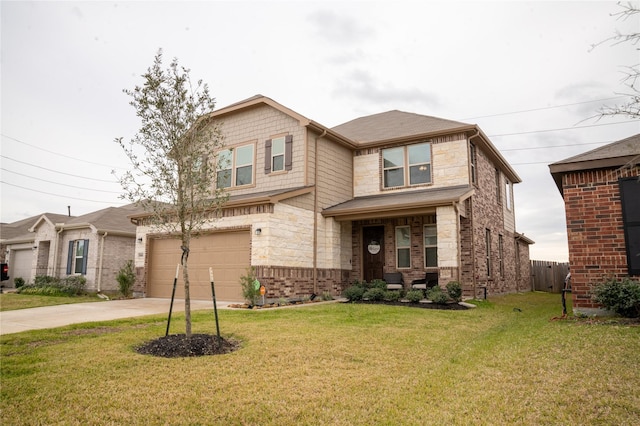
<point>114,220</point>
<point>613,155</point>
<point>21,229</point>
<point>392,125</point>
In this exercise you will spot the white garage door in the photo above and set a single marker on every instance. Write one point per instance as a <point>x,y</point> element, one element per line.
<point>20,265</point>
<point>228,253</point>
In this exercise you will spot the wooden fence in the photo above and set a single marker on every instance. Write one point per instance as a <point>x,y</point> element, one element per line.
<point>548,276</point>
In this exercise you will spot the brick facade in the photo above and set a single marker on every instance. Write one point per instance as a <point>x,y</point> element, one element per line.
<point>597,248</point>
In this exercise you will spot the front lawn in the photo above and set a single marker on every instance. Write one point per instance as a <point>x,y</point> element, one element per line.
<point>505,362</point>
<point>13,301</point>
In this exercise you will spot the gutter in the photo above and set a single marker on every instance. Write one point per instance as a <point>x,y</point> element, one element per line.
<point>99,280</point>
<point>472,223</point>
<point>315,214</point>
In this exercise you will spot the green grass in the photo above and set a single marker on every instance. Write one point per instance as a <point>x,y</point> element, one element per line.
<point>13,301</point>
<point>337,364</point>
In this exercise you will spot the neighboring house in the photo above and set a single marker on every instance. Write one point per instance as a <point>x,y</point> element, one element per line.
<point>312,209</point>
<point>601,191</point>
<point>95,245</point>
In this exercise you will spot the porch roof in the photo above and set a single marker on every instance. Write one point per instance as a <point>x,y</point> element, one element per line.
<point>406,203</point>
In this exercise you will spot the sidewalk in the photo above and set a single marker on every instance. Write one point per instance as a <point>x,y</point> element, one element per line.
<point>60,315</point>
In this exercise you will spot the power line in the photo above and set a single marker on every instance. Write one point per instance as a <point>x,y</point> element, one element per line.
<point>58,195</point>
<point>55,171</point>
<point>57,153</point>
<point>560,129</point>
<point>554,146</point>
<point>61,184</point>
<point>542,108</point>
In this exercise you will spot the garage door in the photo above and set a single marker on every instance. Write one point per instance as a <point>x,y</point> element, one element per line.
<point>228,253</point>
<point>20,265</point>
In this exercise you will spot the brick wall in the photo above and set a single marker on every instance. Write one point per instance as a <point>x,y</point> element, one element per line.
<point>595,230</point>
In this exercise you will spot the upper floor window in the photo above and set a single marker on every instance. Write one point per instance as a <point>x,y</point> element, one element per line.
<point>403,247</point>
<point>473,162</point>
<point>498,187</point>
<point>235,166</point>
<point>507,194</point>
<point>278,152</point>
<point>77,257</point>
<point>411,164</point>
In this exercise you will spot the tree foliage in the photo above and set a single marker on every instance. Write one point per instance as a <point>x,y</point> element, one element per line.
<point>631,107</point>
<point>171,155</point>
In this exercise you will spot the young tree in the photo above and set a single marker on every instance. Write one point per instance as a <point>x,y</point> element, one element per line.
<point>173,168</point>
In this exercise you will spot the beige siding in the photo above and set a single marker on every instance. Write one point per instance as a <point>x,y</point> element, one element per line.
<point>256,126</point>
<point>335,175</point>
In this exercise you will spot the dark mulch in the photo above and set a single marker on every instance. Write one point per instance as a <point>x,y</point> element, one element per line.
<point>448,306</point>
<point>178,345</point>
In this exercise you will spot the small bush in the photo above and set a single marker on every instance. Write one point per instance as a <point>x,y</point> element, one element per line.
<point>378,284</point>
<point>391,296</point>
<point>374,294</point>
<point>73,285</point>
<point>249,290</point>
<point>45,285</point>
<point>454,289</point>
<point>436,295</point>
<point>353,293</point>
<point>126,278</point>
<point>326,296</point>
<point>414,296</point>
<point>622,297</point>
<point>19,282</point>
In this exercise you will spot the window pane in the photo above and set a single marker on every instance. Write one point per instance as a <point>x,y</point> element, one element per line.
<point>224,159</point>
<point>244,155</point>
<point>420,153</point>
<point>277,146</point>
<point>224,179</point>
<point>430,236</point>
<point>394,177</point>
<point>403,237</point>
<point>431,256</point>
<point>393,157</point>
<point>420,174</point>
<point>244,175</point>
<point>79,256</point>
<point>403,258</point>
<point>278,163</point>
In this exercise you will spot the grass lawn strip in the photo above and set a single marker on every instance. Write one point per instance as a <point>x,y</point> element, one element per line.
<point>338,364</point>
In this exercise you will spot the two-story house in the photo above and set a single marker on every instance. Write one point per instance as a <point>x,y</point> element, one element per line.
<point>312,208</point>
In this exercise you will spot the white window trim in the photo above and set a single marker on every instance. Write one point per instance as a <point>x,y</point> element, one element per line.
<point>406,166</point>
<point>424,228</point>
<point>233,166</point>
<point>398,248</point>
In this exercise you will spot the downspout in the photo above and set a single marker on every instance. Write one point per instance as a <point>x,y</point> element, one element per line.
<point>473,240</point>
<point>457,212</point>
<point>315,214</point>
<point>104,236</point>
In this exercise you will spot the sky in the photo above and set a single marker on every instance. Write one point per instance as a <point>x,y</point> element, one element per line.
<point>527,73</point>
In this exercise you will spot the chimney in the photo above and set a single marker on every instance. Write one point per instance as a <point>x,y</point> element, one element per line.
<point>69,210</point>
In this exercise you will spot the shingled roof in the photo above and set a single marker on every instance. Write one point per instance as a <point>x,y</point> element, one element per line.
<point>396,125</point>
<point>613,155</point>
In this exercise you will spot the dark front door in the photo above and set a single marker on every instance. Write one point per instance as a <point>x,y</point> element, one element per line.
<point>372,252</point>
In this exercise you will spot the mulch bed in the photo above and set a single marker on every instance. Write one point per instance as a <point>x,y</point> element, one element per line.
<point>178,345</point>
<point>453,306</point>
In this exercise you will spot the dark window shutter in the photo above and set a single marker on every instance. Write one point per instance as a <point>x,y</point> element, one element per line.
<point>85,257</point>
<point>70,257</point>
<point>267,157</point>
<point>288,151</point>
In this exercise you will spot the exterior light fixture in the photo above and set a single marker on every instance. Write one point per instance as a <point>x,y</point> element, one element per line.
<point>258,231</point>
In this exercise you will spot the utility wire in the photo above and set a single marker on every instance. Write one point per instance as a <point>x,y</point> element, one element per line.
<point>57,153</point>
<point>561,129</point>
<point>61,184</point>
<point>58,195</point>
<point>55,171</point>
<point>542,108</point>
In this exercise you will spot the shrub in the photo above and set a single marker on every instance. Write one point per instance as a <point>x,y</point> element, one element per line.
<point>414,296</point>
<point>454,289</point>
<point>436,295</point>
<point>391,296</point>
<point>374,294</point>
<point>51,286</point>
<point>19,282</point>
<point>622,297</point>
<point>354,293</point>
<point>126,278</point>
<point>249,290</point>
<point>326,296</point>
<point>378,284</point>
<point>73,285</point>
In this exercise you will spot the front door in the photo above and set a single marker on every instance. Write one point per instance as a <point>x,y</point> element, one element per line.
<point>372,252</point>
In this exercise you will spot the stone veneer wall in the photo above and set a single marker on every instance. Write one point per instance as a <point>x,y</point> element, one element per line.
<point>597,248</point>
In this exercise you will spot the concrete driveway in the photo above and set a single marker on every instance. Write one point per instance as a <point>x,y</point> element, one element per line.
<point>60,315</point>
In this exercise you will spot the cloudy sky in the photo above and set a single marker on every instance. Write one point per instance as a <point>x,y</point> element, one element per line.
<point>525,72</point>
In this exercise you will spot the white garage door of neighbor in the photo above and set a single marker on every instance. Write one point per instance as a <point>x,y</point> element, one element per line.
<point>20,265</point>
<point>228,253</point>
